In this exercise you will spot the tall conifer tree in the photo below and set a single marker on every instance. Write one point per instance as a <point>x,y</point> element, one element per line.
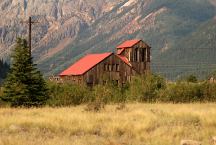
<point>24,85</point>
<point>4,67</point>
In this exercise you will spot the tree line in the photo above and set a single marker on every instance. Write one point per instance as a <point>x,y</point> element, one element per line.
<point>144,89</point>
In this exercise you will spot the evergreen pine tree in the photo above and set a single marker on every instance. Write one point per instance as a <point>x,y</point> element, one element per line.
<point>24,85</point>
<point>4,68</point>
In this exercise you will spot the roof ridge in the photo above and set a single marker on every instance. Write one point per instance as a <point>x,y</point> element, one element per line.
<point>128,43</point>
<point>99,53</point>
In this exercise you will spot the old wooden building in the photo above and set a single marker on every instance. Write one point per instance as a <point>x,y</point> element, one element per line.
<point>132,57</point>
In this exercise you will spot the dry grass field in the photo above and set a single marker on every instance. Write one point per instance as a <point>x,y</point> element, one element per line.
<point>137,124</point>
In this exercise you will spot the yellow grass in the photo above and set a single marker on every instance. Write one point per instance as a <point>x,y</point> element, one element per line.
<point>137,124</point>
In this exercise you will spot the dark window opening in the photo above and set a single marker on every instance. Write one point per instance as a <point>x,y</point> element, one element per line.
<point>135,54</point>
<point>105,66</point>
<point>113,67</point>
<point>90,79</point>
<point>143,54</point>
<point>115,82</point>
<point>104,82</point>
<point>131,56</point>
<point>148,55</point>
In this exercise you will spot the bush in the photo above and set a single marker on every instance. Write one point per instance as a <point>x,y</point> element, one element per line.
<point>68,94</point>
<point>209,92</point>
<point>145,88</point>
<point>2,103</point>
<point>109,93</point>
<point>71,94</point>
<point>182,92</point>
<point>104,94</point>
<point>192,79</point>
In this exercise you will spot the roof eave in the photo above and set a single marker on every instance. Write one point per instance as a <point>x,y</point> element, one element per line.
<point>71,75</point>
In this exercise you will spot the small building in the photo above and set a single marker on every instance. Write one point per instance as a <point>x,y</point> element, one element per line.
<point>132,57</point>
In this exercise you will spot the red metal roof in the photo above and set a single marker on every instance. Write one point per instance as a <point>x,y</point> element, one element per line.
<point>123,58</point>
<point>85,64</point>
<point>129,43</point>
<point>119,51</point>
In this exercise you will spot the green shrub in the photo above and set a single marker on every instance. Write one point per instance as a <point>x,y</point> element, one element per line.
<point>192,79</point>
<point>109,93</point>
<point>182,92</point>
<point>145,88</point>
<point>104,94</point>
<point>209,92</point>
<point>2,103</point>
<point>68,94</point>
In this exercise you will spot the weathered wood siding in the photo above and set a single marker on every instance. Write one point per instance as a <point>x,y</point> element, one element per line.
<point>110,69</point>
<point>139,57</point>
<point>73,79</point>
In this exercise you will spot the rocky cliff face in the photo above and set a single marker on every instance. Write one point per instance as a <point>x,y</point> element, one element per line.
<point>57,20</point>
<point>68,29</point>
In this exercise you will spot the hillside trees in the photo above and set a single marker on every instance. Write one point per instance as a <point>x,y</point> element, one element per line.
<point>24,85</point>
